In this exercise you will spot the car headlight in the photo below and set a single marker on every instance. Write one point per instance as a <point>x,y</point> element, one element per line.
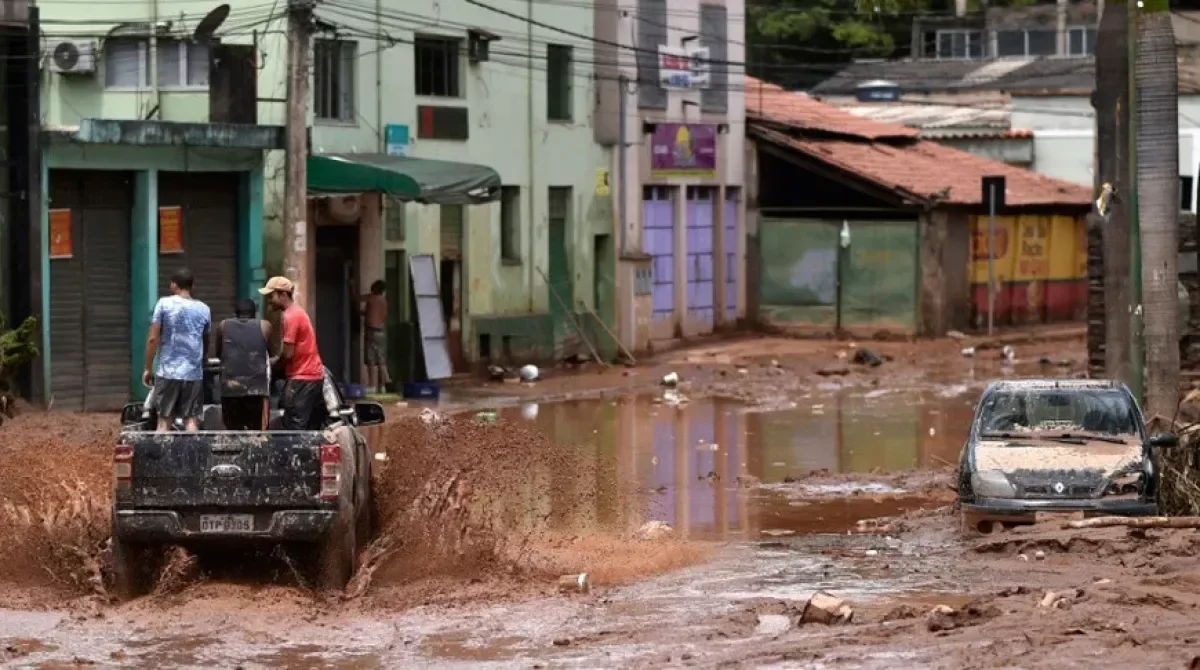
<point>1126,484</point>
<point>992,484</point>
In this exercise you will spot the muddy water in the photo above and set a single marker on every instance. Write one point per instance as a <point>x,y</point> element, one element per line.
<point>698,467</point>
<point>700,460</point>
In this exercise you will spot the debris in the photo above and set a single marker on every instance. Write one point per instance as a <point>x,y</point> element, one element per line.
<point>775,363</point>
<point>945,610</point>
<point>944,617</point>
<point>901,612</point>
<point>562,642</point>
<point>485,417</point>
<point>381,456</point>
<point>529,411</point>
<point>579,583</point>
<point>1022,557</point>
<point>653,530</point>
<point>867,357</point>
<point>1039,555</point>
<point>401,405</point>
<point>670,379</point>
<point>497,373</point>
<point>743,371</point>
<point>529,373</point>
<point>1009,353</point>
<point>674,398</point>
<point>834,371</point>
<point>826,609</point>
<point>871,552</point>
<point>956,335</point>
<point>1136,522</point>
<point>968,352</point>
<point>430,417</point>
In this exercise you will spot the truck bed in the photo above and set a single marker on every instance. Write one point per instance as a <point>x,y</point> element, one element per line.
<point>211,484</point>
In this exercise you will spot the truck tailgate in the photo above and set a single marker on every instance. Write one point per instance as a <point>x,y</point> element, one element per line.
<point>226,469</point>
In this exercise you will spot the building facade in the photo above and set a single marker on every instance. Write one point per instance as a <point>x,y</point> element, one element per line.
<point>679,172</point>
<point>162,136</point>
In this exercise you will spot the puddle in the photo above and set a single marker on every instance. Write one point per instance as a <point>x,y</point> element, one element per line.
<point>699,461</point>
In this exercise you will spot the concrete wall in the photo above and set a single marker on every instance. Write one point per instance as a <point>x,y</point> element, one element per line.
<point>683,20</point>
<point>508,127</point>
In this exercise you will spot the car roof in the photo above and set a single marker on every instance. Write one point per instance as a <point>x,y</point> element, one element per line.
<point>1052,383</point>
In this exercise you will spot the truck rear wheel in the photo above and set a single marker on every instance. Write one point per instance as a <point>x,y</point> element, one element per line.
<point>337,552</point>
<point>135,568</point>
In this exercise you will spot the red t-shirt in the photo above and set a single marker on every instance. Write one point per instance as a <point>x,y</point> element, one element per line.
<point>305,363</point>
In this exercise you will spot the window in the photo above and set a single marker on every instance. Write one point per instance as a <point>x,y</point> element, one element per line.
<point>393,209</point>
<point>1023,43</point>
<point>437,60</point>
<point>560,205</point>
<point>961,44</point>
<point>1081,41</point>
<point>510,223</point>
<point>333,80</point>
<point>181,64</point>
<point>558,82</point>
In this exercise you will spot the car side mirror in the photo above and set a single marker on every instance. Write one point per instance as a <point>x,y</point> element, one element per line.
<point>369,413</point>
<point>1163,440</point>
<point>131,413</point>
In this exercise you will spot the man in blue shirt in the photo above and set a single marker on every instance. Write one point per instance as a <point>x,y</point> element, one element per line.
<point>179,336</point>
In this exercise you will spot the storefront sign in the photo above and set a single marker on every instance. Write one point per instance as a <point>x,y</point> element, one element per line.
<point>61,244</point>
<point>682,68</point>
<point>170,230</point>
<point>684,150</point>
<point>395,139</point>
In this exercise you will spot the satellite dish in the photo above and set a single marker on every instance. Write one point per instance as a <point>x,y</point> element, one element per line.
<point>209,24</point>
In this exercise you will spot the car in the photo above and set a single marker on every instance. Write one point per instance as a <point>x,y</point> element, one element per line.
<point>219,489</point>
<point>1051,447</point>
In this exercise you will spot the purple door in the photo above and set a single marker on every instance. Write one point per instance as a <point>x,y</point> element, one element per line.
<point>700,296</point>
<point>731,211</point>
<point>658,241</point>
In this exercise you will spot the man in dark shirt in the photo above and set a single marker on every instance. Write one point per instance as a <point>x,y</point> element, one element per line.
<point>375,336</point>
<point>244,349</point>
<point>303,402</point>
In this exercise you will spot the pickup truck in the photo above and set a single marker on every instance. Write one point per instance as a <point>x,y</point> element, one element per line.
<point>217,489</point>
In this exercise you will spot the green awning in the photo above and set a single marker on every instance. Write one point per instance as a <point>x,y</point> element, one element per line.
<point>419,179</point>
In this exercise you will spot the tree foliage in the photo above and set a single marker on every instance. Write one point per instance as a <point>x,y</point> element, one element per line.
<point>18,348</point>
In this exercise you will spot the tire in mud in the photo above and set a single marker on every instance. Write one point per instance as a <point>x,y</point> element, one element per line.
<point>336,554</point>
<point>135,568</point>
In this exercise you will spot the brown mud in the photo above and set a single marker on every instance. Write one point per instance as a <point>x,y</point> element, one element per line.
<point>778,482</point>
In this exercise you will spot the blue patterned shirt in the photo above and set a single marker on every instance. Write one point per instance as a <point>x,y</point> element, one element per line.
<point>184,323</point>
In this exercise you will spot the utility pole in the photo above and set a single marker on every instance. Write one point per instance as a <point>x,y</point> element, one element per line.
<point>295,196</point>
<point>1112,168</point>
<point>1137,346</point>
<point>1157,86</point>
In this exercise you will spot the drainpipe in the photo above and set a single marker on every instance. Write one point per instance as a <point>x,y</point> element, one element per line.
<point>622,182</point>
<point>1061,11</point>
<point>960,7</point>
<point>152,60</point>
<point>379,94</point>
<point>529,130</point>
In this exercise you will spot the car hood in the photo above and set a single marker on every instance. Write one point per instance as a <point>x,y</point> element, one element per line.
<point>1010,457</point>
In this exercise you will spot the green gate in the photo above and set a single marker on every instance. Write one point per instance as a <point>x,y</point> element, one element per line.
<point>878,275</point>
<point>798,272</point>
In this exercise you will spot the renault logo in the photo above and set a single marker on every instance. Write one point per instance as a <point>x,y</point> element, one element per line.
<point>226,470</point>
<point>1059,488</point>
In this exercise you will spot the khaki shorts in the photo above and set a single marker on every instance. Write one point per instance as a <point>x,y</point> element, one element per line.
<point>376,345</point>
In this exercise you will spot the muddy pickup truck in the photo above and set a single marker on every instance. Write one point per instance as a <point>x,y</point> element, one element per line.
<point>218,489</point>
<point>1041,448</point>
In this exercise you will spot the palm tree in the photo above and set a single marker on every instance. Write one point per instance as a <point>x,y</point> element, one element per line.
<point>1157,118</point>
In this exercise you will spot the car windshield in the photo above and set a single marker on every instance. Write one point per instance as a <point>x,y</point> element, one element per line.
<point>1056,411</point>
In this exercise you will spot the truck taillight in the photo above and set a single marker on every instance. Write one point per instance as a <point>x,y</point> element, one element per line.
<point>331,471</point>
<point>122,464</point>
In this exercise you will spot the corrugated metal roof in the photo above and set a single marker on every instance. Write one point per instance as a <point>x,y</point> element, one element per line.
<point>933,116</point>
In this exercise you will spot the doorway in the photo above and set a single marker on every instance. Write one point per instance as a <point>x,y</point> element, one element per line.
<point>337,324</point>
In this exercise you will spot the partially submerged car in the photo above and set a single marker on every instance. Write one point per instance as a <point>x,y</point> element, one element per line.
<point>1041,447</point>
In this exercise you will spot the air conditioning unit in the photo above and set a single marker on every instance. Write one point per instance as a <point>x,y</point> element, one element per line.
<point>74,57</point>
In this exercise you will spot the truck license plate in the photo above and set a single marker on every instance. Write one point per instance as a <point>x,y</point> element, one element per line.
<point>226,523</point>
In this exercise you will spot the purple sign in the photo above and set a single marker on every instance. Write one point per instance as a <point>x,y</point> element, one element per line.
<point>683,150</point>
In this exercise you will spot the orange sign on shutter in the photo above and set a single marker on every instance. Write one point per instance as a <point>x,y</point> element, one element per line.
<point>170,230</point>
<point>61,243</point>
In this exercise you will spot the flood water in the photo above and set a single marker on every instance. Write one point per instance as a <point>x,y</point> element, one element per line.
<point>701,459</point>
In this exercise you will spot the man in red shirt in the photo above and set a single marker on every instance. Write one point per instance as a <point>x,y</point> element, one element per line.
<point>302,399</point>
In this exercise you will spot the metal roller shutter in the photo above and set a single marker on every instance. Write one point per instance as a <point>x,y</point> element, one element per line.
<point>210,242</point>
<point>90,292</point>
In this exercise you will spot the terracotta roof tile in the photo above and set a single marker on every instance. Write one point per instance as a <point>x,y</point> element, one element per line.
<point>927,171</point>
<point>796,110</point>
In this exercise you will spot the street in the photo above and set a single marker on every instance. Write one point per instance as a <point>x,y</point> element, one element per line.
<point>781,467</point>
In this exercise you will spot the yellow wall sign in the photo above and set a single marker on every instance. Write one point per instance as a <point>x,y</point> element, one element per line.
<point>602,181</point>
